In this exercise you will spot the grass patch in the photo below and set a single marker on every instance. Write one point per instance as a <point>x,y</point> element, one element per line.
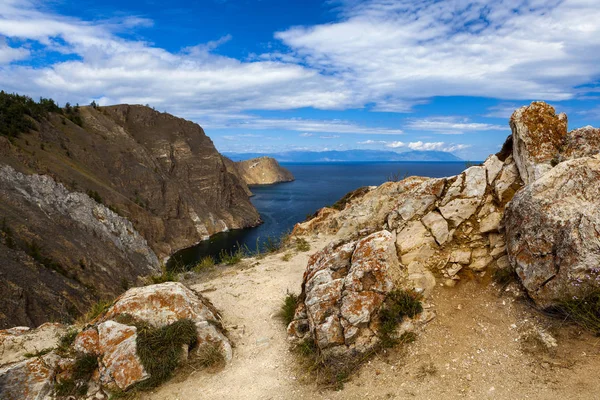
<point>287,257</point>
<point>167,275</point>
<point>96,309</point>
<point>38,353</point>
<point>204,264</point>
<point>302,245</point>
<point>66,340</point>
<point>288,308</point>
<point>584,311</point>
<point>160,349</point>
<point>232,258</point>
<point>210,355</point>
<point>84,367</point>
<point>397,305</point>
<point>77,385</point>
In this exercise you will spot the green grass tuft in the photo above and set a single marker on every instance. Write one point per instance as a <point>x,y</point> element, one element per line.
<point>38,353</point>
<point>232,258</point>
<point>204,264</point>
<point>396,306</point>
<point>167,275</point>
<point>85,365</point>
<point>65,342</point>
<point>96,309</point>
<point>160,349</point>
<point>287,257</point>
<point>288,308</point>
<point>302,245</point>
<point>210,355</point>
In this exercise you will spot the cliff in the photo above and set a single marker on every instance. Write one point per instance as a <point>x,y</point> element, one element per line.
<point>263,171</point>
<point>91,200</point>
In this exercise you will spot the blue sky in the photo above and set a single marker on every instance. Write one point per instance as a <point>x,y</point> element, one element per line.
<point>265,76</point>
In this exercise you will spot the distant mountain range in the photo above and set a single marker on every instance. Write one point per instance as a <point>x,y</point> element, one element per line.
<point>348,155</point>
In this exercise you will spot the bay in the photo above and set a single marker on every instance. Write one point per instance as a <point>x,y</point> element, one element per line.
<point>317,185</point>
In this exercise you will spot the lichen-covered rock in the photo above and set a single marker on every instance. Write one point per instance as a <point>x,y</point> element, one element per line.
<point>16,342</point>
<point>30,379</point>
<point>538,134</point>
<point>87,341</point>
<point>163,304</point>
<point>582,142</point>
<point>553,232</point>
<point>344,287</point>
<point>120,365</point>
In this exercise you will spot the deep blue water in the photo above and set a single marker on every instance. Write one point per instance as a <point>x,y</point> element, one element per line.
<point>283,205</point>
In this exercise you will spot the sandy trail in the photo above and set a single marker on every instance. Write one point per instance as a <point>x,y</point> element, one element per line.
<point>472,349</point>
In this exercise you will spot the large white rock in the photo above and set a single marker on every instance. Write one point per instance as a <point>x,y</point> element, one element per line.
<point>553,232</point>
<point>437,225</point>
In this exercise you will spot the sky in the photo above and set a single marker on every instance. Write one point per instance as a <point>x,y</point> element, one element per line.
<point>272,75</point>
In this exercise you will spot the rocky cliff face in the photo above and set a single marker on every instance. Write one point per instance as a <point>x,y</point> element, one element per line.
<point>533,208</point>
<point>61,251</point>
<point>160,172</point>
<point>86,210</point>
<point>263,171</point>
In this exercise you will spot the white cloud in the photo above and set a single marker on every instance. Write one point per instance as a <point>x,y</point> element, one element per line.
<point>502,110</point>
<point>397,53</point>
<point>306,134</point>
<point>428,146</point>
<point>329,137</point>
<point>451,125</point>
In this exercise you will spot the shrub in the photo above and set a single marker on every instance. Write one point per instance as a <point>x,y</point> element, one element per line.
<point>584,311</point>
<point>204,263</point>
<point>167,275</point>
<point>396,306</point>
<point>232,258</point>
<point>302,244</point>
<point>96,309</point>
<point>288,308</point>
<point>95,196</point>
<point>160,349</point>
<point>18,112</point>
<point>67,340</point>
<point>85,365</point>
<point>287,257</point>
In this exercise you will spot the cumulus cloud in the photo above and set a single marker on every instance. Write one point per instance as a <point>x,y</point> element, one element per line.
<point>419,145</point>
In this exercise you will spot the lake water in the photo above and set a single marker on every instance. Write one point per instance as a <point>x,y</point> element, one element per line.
<point>283,205</point>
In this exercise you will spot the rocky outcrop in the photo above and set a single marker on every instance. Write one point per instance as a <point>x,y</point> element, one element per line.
<point>263,171</point>
<point>582,142</point>
<point>537,134</point>
<point>61,250</point>
<point>31,364</point>
<point>553,232</point>
<point>128,187</point>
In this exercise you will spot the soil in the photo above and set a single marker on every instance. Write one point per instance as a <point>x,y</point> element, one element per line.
<point>481,345</point>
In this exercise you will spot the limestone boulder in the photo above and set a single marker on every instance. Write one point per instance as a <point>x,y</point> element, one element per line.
<point>30,379</point>
<point>344,286</point>
<point>17,342</point>
<point>553,232</point>
<point>538,134</point>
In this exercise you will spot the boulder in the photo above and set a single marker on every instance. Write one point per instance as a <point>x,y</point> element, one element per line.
<point>582,142</point>
<point>553,232</point>
<point>437,225</point>
<point>16,342</point>
<point>538,134</point>
<point>344,286</point>
<point>30,379</point>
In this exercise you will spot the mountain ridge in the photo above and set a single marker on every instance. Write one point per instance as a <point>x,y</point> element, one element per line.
<point>348,155</point>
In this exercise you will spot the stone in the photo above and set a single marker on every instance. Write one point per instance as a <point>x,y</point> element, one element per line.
<point>421,280</point>
<point>87,341</point>
<point>475,182</point>
<point>493,166</point>
<point>31,378</point>
<point>582,142</point>
<point>412,236</point>
<point>491,222</point>
<point>553,232</point>
<point>508,182</point>
<point>498,251</point>
<point>437,225</point>
<point>458,210</point>
<point>18,341</point>
<point>538,133</point>
<point>344,286</point>
<point>462,256</point>
<point>165,303</point>
<point>503,262</point>
<point>120,366</point>
<point>454,269</point>
<point>481,263</point>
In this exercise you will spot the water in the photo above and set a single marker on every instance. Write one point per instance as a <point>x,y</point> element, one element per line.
<point>283,205</point>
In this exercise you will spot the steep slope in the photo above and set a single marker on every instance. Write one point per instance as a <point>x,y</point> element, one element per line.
<point>263,171</point>
<point>160,172</point>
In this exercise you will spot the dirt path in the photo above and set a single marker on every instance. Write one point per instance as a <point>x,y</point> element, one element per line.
<point>477,347</point>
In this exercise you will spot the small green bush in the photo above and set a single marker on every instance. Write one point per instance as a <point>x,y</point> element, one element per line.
<point>287,257</point>
<point>85,365</point>
<point>167,275</point>
<point>96,309</point>
<point>232,258</point>
<point>204,264</point>
<point>65,342</point>
<point>396,306</point>
<point>288,308</point>
<point>302,244</point>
